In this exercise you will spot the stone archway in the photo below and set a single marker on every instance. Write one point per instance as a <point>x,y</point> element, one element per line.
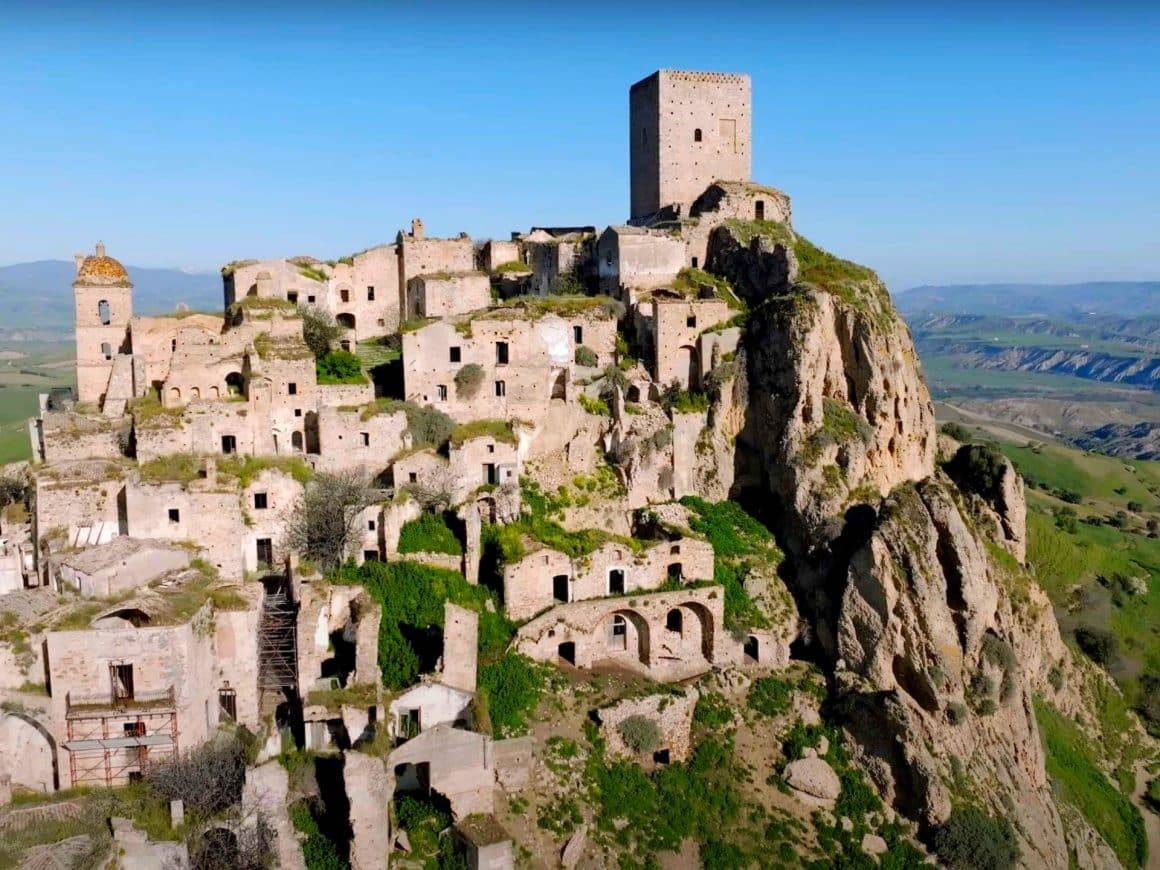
<point>687,366</point>
<point>700,619</point>
<point>626,632</point>
<point>28,753</point>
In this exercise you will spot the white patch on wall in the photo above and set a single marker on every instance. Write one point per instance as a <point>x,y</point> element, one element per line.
<point>556,335</point>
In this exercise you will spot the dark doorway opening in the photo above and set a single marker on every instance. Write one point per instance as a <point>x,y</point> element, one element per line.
<point>341,663</point>
<point>751,648</point>
<point>560,587</point>
<point>616,581</point>
<point>567,652</point>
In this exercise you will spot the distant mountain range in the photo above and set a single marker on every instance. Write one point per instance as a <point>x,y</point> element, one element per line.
<point>1123,298</point>
<point>39,295</point>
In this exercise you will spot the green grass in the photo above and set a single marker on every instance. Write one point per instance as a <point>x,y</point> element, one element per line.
<point>500,430</point>
<point>691,282</point>
<point>1071,763</point>
<point>21,383</point>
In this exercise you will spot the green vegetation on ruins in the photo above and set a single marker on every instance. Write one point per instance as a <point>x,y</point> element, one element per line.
<point>512,266</point>
<point>234,470</point>
<point>430,533</point>
<point>747,231</point>
<point>695,282</point>
<point>500,430</point>
<point>339,367</point>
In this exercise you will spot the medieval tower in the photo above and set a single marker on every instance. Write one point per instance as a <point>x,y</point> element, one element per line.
<point>686,130</point>
<point>104,306</point>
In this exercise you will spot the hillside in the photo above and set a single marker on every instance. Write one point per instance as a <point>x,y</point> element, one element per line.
<point>1009,300</point>
<point>39,294</point>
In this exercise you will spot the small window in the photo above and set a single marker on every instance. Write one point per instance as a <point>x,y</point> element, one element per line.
<point>759,210</point>
<point>228,704</point>
<point>694,262</point>
<point>489,473</point>
<point>491,448</point>
<point>133,729</point>
<point>297,412</point>
<point>173,345</point>
<point>344,295</point>
<point>616,581</point>
<point>261,501</point>
<point>103,312</point>
<point>691,320</point>
<point>370,555</point>
<point>366,438</point>
<point>578,334</point>
<point>265,547</point>
<point>174,515</point>
<point>673,621</point>
<point>619,626</point>
<point>442,388</point>
<point>413,477</point>
<point>455,354</point>
<point>292,296</point>
<point>370,525</point>
<point>292,388</point>
<point>370,293</point>
<point>310,299</point>
<point>229,444</point>
<point>501,353</point>
<point>107,350</point>
<point>697,135</point>
<point>501,388</point>
<point>121,676</point>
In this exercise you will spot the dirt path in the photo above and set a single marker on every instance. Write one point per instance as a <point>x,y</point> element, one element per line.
<point>1151,819</point>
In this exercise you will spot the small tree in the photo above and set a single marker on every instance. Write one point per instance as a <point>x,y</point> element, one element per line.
<point>319,329</point>
<point>468,380</point>
<point>586,356</point>
<point>325,522</point>
<point>640,733</point>
<point>972,839</point>
<point>339,366</point>
<point>11,489</point>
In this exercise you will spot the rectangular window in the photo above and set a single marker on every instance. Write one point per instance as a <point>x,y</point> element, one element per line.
<point>578,334</point>
<point>694,262</point>
<point>442,392</point>
<point>345,294</point>
<point>133,729</point>
<point>121,676</point>
<point>228,704</point>
<point>265,551</point>
<point>292,388</point>
<point>370,555</point>
<point>174,515</point>
<point>370,293</point>
<point>691,320</point>
<point>455,354</point>
<point>297,412</point>
<point>413,477</point>
<point>501,353</point>
<point>366,438</point>
<point>310,299</point>
<point>229,444</point>
<point>370,525</point>
<point>292,296</point>
<point>261,501</point>
<point>500,388</point>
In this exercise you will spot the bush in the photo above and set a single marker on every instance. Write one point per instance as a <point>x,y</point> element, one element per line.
<point>512,686</point>
<point>956,713</point>
<point>978,468</point>
<point>640,733</point>
<point>972,839</point>
<point>586,356</point>
<point>770,696</point>
<point>339,367</point>
<point>1097,644</point>
<point>319,329</point>
<point>468,380</point>
<point>429,533</point>
<point>957,431</point>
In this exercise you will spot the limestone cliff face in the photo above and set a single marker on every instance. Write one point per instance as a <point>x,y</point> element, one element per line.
<point>936,637</point>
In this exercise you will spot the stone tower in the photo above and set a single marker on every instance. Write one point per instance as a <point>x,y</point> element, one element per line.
<point>686,130</point>
<point>103,295</point>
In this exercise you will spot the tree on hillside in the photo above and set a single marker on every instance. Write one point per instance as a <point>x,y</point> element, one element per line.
<point>325,521</point>
<point>319,329</point>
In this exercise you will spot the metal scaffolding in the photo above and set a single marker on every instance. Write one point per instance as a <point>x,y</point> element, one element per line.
<point>111,739</point>
<point>278,640</point>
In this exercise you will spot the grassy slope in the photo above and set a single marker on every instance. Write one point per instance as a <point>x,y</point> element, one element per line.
<point>19,390</point>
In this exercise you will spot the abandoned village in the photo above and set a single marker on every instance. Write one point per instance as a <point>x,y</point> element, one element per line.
<point>358,512</point>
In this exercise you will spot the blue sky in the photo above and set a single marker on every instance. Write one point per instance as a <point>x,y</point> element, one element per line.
<point>980,142</point>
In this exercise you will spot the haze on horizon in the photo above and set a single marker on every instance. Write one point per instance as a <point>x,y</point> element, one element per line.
<point>992,143</point>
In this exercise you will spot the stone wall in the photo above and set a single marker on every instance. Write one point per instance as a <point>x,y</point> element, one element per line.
<point>348,441</point>
<point>637,258</point>
<point>676,328</point>
<point>673,714</point>
<point>460,647</point>
<point>446,294</point>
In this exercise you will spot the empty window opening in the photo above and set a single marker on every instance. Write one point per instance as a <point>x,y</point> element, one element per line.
<point>265,548</point>
<point>413,477</point>
<point>567,652</point>
<point>121,676</point>
<point>296,441</point>
<point>370,555</point>
<point>292,388</point>
<point>310,299</point>
<point>410,723</point>
<point>341,663</point>
<point>501,353</point>
<point>697,135</point>
<point>456,354</point>
<point>370,293</point>
<point>759,210</point>
<point>661,756</point>
<point>500,388</point>
<point>616,581</point>
<point>261,501</point>
<point>442,388</point>
<point>174,515</point>
<point>366,438</point>
<point>344,294</point>
<point>370,525</point>
<point>751,648</point>
<point>673,621</point>
<point>691,320</point>
<point>134,729</point>
<point>228,704</point>
<point>106,350</point>
<point>676,572</point>
<point>489,475</point>
<point>229,444</point>
<point>103,312</point>
<point>560,587</point>
<point>292,296</point>
<point>578,334</point>
<point>694,262</point>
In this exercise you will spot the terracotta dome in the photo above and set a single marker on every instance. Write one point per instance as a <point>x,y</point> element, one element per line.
<point>103,271</point>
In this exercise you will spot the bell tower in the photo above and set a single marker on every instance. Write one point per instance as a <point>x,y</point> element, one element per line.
<point>103,295</point>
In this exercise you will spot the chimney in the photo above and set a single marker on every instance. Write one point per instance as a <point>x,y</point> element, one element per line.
<point>417,228</point>
<point>100,249</point>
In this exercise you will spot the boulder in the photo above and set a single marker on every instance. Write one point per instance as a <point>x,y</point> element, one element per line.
<point>872,844</point>
<point>574,849</point>
<point>813,777</point>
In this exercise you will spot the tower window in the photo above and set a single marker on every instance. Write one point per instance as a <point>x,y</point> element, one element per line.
<point>345,294</point>
<point>455,354</point>
<point>759,210</point>
<point>500,388</point>
<point>103,312</point>
<point>370,294</point>
<point>697,135</point>
<point>501,353</point>
<point>106,350</point>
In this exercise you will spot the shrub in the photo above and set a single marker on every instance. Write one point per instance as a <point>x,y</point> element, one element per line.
<point>1055,678</point>
<point>512,686</point>
<point>429,533</point>
<point>640,733</point>
<point>319,329</point>
<point>957,431</point>
<point>956,713</point>
<point>1097,644</point>
<point>978,468</point>
<point>594,405</point>
<point>770,696</point>
<point>339,367</point>
<point>586,356</point>
<point>971,839</point>
<point>468,380</point>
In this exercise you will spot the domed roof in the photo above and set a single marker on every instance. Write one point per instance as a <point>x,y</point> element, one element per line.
<point>103,271</point>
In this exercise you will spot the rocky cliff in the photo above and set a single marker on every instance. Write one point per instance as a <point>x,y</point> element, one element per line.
<point>935,636</point>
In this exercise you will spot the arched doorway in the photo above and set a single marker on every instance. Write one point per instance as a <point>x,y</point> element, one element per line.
<point>235,384</point>
<point>560,385</point>
<point>296,441</point>
<point>686,367</point>
<point>346,320</point>
<point>697,627</point>
<point>626,632</point>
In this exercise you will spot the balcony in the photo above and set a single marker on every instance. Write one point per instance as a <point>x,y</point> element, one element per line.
<point>87,706</point>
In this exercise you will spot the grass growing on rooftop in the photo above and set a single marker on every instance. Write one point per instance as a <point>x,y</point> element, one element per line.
<point>747,231</point>
<point>500,430</point>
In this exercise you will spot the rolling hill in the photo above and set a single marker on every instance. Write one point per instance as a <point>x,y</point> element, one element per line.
<point>1010,300</point>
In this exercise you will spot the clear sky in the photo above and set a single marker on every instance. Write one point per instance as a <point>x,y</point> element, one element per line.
<point>968,142</point>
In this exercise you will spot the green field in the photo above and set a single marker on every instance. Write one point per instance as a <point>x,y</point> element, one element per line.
<point>947,377</point>
<point>40,366</point>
